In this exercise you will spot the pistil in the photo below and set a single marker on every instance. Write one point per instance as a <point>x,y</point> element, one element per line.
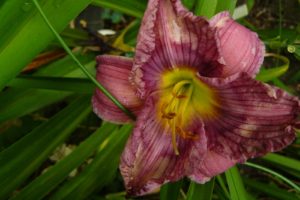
<point>172,110</point>
<point>183,97</point>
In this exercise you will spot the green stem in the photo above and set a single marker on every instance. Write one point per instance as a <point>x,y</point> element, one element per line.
<point>296,187</point>
<point>68,50</point>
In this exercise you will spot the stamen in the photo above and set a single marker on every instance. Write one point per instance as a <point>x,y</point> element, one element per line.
<point>174,143</point>
<point>173,109</point>
<point>181,96</point>
<point>184,95</point>
<point>178,86</point>
<point>169,115</point>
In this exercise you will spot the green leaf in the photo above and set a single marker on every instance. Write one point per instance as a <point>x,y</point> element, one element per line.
<point>84,70</point>
<point>283,161</point>
<point>18,102</point>
<point>189,4</point>
<point>42,185</point>
<point>222,185</point>
<point>79,85</point>
<point>250,4</point>
<point>201,191</point>
<point>100,172</point>
<point>134,8</point>
<point>266,75</point>
<point>271,190</point>
<point>170,190</point>
<point>130,35</point>
<point>206,8</point>
<point>66,67</point>
<point>288,181</point>
<point>235,183</point>
<point>22,158</point>
<point>30,35</point>
<point>120,43</point>
<point>13,130</point>
<point>279,83</point>
<point>226,5</point>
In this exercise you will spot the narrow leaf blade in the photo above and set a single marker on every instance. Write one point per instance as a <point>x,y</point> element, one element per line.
<point>201,191</point>
<point>235,183</point>
<point>15,167</point>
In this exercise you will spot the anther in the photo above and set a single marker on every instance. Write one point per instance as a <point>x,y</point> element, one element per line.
<point>169,115</point>
<point>178,96</point>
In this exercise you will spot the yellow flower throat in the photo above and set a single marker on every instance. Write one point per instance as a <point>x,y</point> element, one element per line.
<point>184,98</point>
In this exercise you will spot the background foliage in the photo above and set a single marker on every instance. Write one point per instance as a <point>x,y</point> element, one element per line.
<point>53,147</point>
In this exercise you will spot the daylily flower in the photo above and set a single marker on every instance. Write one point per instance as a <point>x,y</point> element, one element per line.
<point>199,110</point>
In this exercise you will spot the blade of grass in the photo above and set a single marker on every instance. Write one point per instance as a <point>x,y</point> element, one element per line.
<point>226,5</point>
<point>206,8</point>
<point>223,186</point>
<point>66,67</point>
<point>131,33</point>
<point>288,171</point>
<point>80,85</point>
<point>134,8</point>
<point>18,102</point>
<point>235,183</point>
<point>42,185</point>
<point>270,190</point>
<point>283,161</point>
<point>296,187</point>
<point>279,83</point>
<point>68,50</point>
<point>201,191</point>
<point>16,129</point>
<point>15,167</point>
<point>100,172</point>
<point>218,191</point>
<point>272,73</point>
<point>170,190</point>
<point>189,4</point>
<point>119,42</point>
<point>31,36</point>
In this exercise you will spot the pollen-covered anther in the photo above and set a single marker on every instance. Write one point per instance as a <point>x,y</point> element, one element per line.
<point>186,134</point>
<point>170,115</point>
<point>179,96</point>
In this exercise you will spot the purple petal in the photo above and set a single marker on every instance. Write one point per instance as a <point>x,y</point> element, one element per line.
<point>149,159</point>
<point>112,73</point>
<point>203,164</point>
<point>211,165</point>
<point>170,36</point>
<point>240,49</point>
<point>254,118</point>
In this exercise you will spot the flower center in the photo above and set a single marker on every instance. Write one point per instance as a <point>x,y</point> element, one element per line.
<point>184,98</point>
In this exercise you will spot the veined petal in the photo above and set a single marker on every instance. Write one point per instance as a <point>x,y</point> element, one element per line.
<point>113,73</point>
<point>149,159</point>
<point>254,118</point>
<point>170,37</point>
<point>240,49</point>
<point>202,164</point>
<point>211,164</point>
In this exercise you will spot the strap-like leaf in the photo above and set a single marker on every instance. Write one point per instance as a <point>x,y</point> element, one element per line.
<point>100,172</point>
<point>32,35</point>
<point>21,159</point>
<point>170,190</point>
<point>235,183</point>
<point>201,191</point>
<point>56,174</point>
